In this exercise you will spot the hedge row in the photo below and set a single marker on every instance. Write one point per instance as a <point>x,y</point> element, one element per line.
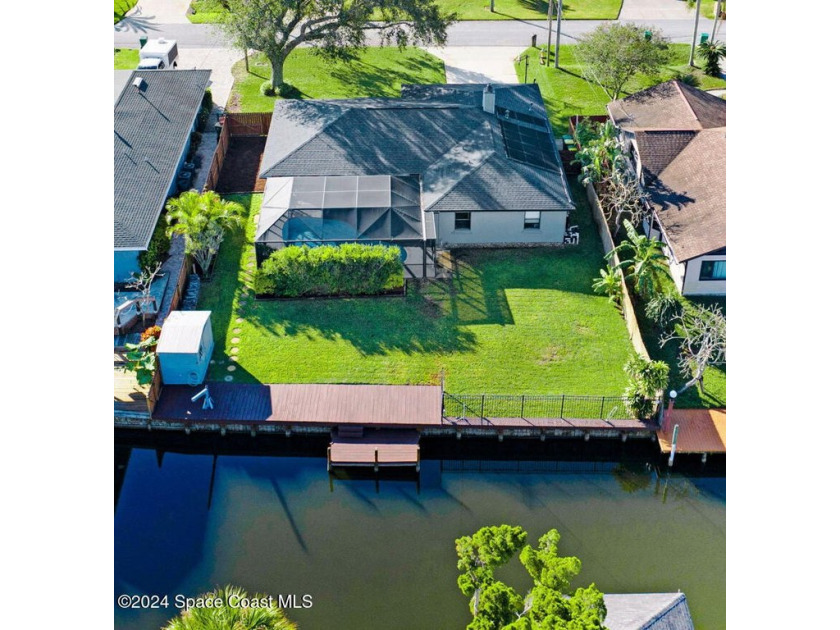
<point>349,269</point>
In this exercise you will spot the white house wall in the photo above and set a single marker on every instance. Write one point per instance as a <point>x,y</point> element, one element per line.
<point>693,285</point>
<point>500,228</point>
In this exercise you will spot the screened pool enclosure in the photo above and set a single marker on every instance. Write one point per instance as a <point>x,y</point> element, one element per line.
<point>368,209</point>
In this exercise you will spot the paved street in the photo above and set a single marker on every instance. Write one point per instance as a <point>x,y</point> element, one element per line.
<point>502,33</point>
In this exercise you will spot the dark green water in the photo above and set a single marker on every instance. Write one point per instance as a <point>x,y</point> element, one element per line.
<point>385,560</point>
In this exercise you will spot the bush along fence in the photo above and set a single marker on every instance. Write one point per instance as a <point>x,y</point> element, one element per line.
<point>348,269</point>
<point>536,406</point>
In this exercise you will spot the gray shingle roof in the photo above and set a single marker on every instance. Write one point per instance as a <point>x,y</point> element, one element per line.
<point>418,134</point>
<point>648,611</point>
<point>689,196</point>
<point>657,149</point>
<point>670,105</point>
<point>151,128</point>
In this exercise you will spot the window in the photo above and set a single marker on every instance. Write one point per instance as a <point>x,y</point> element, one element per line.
<point>532,220</point>
<point>713,270</point>
<point>463,220</point>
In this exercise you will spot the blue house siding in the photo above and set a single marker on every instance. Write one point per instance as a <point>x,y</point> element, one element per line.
<point>125,262</point>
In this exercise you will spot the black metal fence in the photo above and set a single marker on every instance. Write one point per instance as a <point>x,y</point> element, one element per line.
<point>528,406</point>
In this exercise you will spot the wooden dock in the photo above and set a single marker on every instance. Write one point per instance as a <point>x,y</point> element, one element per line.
<point>374,448</point>
<point>129,396</point>
<point>701,431</point>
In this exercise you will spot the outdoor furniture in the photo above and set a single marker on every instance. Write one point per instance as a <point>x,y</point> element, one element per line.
<point>125,316</point>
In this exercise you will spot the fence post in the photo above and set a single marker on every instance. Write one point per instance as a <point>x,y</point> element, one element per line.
<point>562,405</point>
<point>522,409</point>
<point>601,415</point>
<point>482,409</point>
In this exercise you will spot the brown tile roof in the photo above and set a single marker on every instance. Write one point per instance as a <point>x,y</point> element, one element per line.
<point>689,196</point>
<point>672,105</point>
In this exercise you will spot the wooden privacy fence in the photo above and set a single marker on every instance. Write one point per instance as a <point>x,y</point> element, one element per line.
<point>234,125</point>
<point>609,245</point>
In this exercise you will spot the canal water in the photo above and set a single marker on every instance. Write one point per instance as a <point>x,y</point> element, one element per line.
<point>380,555</point>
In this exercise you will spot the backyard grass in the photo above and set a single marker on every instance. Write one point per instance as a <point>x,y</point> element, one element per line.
<point>521,321</point>
<point>377,72</point>
<point>126,58</point>
<point>207,11</point>
<point>121,7</point>
<point>566,93</point>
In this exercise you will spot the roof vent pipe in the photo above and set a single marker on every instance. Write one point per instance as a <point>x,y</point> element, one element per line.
<point>139,83</point>
<point>488,100</point>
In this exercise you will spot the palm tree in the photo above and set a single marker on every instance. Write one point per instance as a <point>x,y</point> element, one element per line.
<point>712,52</point>
<point>232,614</point>
<point>202,219</point>
<point>647,262</point>
<point>609,284</point>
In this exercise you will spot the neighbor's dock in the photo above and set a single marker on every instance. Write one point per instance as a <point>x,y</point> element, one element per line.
<point>701,431</point>
<point>379,447</point>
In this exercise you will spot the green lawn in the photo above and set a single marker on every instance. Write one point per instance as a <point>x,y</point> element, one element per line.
<point>126,58</point>
<point>511,321</point>
<point>210,10</point>
<point>206,11</point>
<point>377,72</point>
<point>566,93</point>
<point>121,7</point>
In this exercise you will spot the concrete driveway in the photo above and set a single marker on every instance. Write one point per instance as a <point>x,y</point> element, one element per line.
<point>219,60</point>
<point>147,13</point>
<point>478,64</point>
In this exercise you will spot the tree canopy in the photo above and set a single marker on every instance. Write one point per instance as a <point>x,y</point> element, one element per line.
<point>614,53</point>
<point>202,220</point>
<point>549,605</point>
<point>335,27</point>
<point>232,614</point>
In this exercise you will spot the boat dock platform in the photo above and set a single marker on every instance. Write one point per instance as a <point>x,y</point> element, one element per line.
<point>356,446</point>
<point>702,431</point>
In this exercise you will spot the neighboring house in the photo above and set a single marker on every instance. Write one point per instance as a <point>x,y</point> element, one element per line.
<point>676,136</point>
<point>154,113</point>
<point>648,611</point>
<point>442,166</point>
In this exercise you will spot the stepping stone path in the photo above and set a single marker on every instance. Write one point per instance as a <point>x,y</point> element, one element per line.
<point>236,331</point>
<point>234,350</point>
<point>239,320</point>
<point>235,340</point>
<point>231,368</point>
<point>228,378</point>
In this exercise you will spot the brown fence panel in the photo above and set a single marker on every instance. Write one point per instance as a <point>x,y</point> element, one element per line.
<point>249,124</point>
<point>218,158</point>
<point>181,284</point>
<point>608,245</point>
<point>155,389</point>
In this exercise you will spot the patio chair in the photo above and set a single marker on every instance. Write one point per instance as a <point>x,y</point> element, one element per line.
<point>125,316</point>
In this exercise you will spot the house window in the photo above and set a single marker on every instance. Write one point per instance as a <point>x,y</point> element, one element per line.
<point>713,270</point>
<point>463,220</point>
<point>532,220</point>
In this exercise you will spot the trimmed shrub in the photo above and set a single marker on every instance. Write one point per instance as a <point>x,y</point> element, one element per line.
<point>158,246</point>
<point>349,269</point>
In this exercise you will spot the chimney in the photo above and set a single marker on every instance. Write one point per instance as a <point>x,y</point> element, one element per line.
<point>488,101</point>
<point>139,83</point>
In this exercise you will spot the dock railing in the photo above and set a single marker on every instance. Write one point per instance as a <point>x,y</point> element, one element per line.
<point>535,406</point>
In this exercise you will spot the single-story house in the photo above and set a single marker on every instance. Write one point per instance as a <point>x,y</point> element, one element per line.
<point>647,611</point>
<point>441,166</point>
<point>676,137</point>
<point>154,113</point>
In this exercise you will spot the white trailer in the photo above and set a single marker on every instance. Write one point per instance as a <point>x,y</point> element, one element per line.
<point>159,54</point>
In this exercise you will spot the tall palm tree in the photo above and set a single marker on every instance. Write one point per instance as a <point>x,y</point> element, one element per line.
<point>202,219</point>
<point>647,262</point>
<point>232,614</point>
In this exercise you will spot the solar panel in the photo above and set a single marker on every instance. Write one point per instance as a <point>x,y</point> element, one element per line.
<point>509,114</point>
<point>531,146</point>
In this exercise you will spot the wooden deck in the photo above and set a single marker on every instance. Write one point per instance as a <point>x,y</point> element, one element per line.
<point>128,395</point>
<point>385,447</point>
<point>701,431</point>
<point>322,405</point>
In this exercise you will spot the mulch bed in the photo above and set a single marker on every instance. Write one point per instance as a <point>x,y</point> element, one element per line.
<point>242,165</point>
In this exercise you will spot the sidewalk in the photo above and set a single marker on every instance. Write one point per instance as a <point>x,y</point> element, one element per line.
<point>149,13</point>
<point>478,64</point>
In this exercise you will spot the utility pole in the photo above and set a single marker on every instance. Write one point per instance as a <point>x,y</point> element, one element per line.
<point>694,39</point>
<point>557,38</point>
<point>717,15</point>
<point>550,13</point>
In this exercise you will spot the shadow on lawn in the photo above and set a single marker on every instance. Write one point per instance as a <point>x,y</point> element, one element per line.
<point>373,81</point>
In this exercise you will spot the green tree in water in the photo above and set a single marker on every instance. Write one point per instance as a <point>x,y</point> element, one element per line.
<point>550,605</point>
